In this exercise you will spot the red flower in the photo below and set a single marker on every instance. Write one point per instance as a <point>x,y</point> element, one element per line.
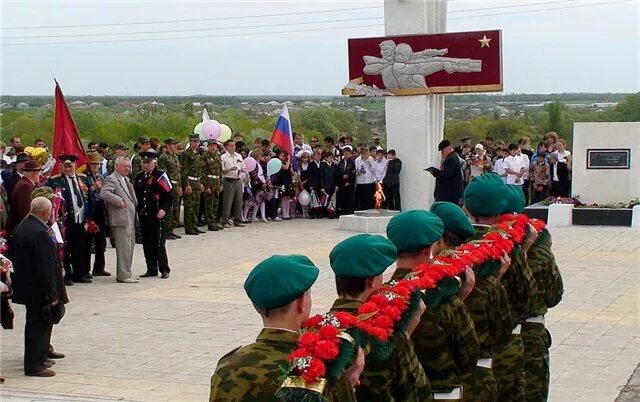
<point>368,308</point>
<point>326,350</point>
<point>315,370</point>
<point>298,353</point>
<point>308,339</point>
<point>329,332</point>
<point>314,321</point>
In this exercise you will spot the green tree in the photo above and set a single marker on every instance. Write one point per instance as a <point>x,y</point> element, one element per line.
<point>629,108</point>
<point>188,109</point>
<point>555,116</point>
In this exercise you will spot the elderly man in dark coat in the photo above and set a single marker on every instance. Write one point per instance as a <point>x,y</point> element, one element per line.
<point>21,195</point>
<point>449,184</point>
<point>38,284</point>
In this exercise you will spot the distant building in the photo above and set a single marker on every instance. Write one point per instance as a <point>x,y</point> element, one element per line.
<point>79,105</point>
<point>603,104</point>
<point>22,105</point>
<point>4,106</point>
<point>47,106</point>
<point>196,104</point>
<point>95,105</point>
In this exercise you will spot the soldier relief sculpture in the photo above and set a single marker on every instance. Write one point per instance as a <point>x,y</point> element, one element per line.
<point>402,68</point>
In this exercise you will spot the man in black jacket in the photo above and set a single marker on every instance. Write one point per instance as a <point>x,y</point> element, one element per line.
<point>153,191</point>
<point>38,284</point>
<point>347,183</point>
<point>392,181</point>
<point>449,184</point>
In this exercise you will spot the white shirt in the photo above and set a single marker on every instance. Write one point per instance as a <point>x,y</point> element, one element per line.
<point>527,162</point>
<point>73,183</point>
<point>229,161</point>
<point>562,156</point>
<point>498,168</point>
<point>515,164</point>
<point>364,170</point>
<point>554,172</point>
<point>380,169</point>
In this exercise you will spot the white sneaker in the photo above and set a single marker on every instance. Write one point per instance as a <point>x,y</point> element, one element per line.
<point>128,280</point>
<point>278,219</point>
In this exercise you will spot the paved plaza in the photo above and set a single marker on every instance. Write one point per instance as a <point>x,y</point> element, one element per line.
<point>160,340</point>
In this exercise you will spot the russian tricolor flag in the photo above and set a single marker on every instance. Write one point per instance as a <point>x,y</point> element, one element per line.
<point>282,133</point>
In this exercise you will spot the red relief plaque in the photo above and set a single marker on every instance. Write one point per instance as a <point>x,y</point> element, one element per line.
<point>425,64</point>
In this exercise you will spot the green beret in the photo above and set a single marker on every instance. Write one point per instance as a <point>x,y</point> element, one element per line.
<point>414,230</point>
<point>486,195</point>
<point>362,256</point>
<point>279,280</point>
<point>515,199</point>
<point>44,191</point>
<point>453,218</point>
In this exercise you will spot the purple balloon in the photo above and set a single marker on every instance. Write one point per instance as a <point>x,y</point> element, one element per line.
<point>211,129</point>
<point>250,164</point>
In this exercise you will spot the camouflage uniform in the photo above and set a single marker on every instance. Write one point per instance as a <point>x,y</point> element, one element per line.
<point>171,164</point>
<point>535,336</point>
<point>400,377</point>
<point>136,167</point>
<point>489,309</point>
<point>191,171</point>
<point>445,341</point>
<point>254,372</point>
<point>211,171</point>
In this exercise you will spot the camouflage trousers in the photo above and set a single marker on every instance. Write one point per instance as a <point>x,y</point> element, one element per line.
<point>170,220</point>
<point>191,207</point>
<point>537,341</point>
<point>211,208</point>
<point>479,386</point>
<point>508,368</point>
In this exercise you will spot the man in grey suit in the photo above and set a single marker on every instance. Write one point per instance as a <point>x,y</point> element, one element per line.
<point>120,199</point>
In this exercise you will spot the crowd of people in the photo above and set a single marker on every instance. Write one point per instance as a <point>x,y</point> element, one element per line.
<point>481,336</point>
<point>541,173</point>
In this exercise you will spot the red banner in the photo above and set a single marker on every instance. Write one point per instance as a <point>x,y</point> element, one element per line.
<point>66,140</point>
<point>424,64</point>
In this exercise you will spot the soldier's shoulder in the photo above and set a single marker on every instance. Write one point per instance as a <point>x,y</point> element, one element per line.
<point>81,175</point>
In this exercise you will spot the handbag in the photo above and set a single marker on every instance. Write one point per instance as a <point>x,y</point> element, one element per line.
<point>315,202</point>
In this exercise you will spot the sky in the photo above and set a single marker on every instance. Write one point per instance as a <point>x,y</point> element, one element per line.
<point>574,46</point>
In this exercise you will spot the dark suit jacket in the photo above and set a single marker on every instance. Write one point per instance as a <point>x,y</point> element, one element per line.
<point>37,278</point>
<point>315,175</point>
<point>347,168</point>
<point>60,181</point>
<point>392,178</point>
<point>9,183</point>
<point>151,196</point>
<point>20,201</point>
<point>330,177</point>
<point>449,184</point>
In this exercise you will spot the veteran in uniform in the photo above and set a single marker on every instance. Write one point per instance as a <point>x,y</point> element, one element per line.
<point>153,192</point>
<point>75,191</point>
<point>445,340</point>
<point>211,172</point>
<point>118,150</point>
<point>191,173</point>
<point>486,197</point>
<point>144,144</point>
<point>279,288</point>
<point>170,163</point>
<point>358,264</point>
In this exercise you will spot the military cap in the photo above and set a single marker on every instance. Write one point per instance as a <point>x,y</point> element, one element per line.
<point>148,154</point>
<point>211,142</point>
<point>443,144</point>
<point>143,140</point>
<point>465,138</point>
<point>515,199</point>
<point>31,166</point>
<point>94,157</point>
<point>67,160</point>
<point>362,256</point>
<point>453,218</point>
<point>486,195</point>
<point>171,140</point>
<point>279,280</point>
<point>414,230</point>
<point>120,146</point>
<point>22,157</point>
<point>44,191</point>
<point>194,137</point>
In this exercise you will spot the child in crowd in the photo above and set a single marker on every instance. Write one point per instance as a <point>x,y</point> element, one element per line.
<point>347,182</point>
<point>364,179</point>
<point>498,165</point>
<point>330,175</point>
<point>283,181</point>
<point>380,166</point>
<point>258,187</point>
<point>540,178</point>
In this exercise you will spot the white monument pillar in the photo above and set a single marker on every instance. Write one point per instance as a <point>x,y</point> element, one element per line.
<point>415,124</point>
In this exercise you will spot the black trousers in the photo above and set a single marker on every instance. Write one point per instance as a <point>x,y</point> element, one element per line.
<point>77,252</point>
<point>346,200</point>
<point>37,337</point>
<point>100,240</point>
<point>559,189</point>
<point>537,196</point>
<point>364,196</point>
<point>526,184</point>
<point>392,195</point>
<point>153,245</point>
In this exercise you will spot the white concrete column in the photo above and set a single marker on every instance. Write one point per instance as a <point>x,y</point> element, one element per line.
<point>635,218</point>
<point>415,124</point>
<point>560,215</point>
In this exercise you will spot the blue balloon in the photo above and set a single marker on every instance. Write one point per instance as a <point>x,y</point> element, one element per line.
<point>273,166</point>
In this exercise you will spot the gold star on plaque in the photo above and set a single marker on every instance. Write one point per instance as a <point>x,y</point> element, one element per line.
<point>484,42</point>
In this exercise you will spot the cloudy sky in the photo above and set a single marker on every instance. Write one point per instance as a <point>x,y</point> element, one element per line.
<point>231,48</point>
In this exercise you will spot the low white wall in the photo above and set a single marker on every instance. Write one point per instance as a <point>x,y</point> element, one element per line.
<point>605,185</point>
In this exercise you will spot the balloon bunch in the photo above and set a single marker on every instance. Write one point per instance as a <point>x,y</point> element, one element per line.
<point>209,129</point>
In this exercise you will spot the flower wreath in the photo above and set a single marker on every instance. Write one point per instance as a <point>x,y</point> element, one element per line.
<point>328,342</point>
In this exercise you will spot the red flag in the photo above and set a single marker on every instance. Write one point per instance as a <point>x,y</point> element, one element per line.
<point>66,140</point>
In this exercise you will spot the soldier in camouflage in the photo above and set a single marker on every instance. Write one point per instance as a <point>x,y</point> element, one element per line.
<point>191,173</point>
<point>119,150</point>
<point>278,287</point>
<point>170,163</point>
<point>398,376</point>
<point>144,144</point>
<point>211,171</point>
